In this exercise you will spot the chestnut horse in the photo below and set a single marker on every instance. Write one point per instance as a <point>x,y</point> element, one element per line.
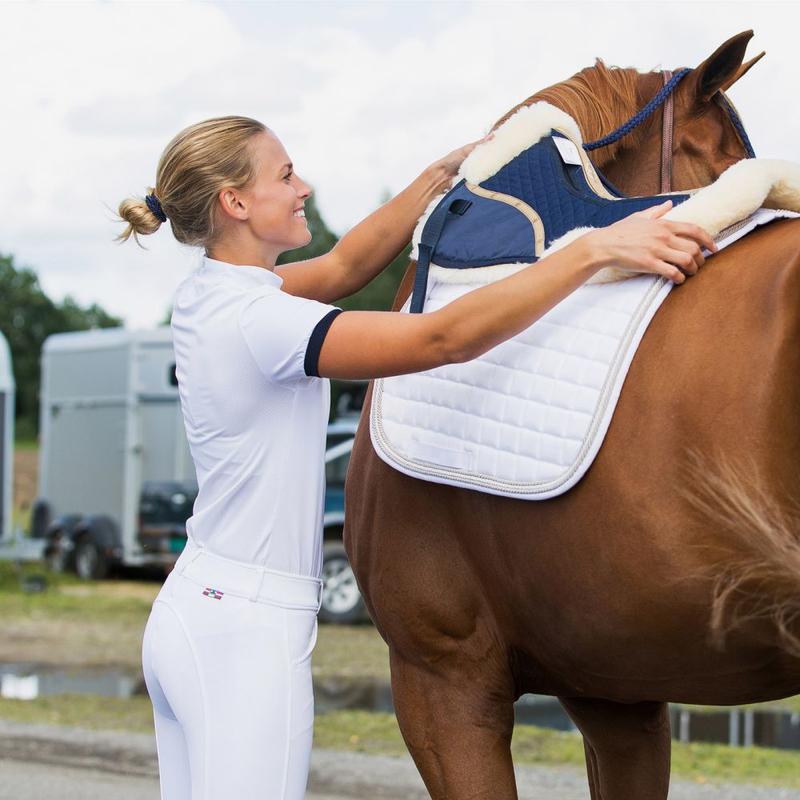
<point>671,572</point>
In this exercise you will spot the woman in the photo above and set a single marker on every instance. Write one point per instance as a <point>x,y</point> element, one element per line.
<point>227,647</point>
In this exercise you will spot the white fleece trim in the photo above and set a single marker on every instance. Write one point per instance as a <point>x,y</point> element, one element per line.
<point>520,131</point>
<point>743,188</point>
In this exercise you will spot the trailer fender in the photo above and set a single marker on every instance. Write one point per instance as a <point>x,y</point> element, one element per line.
<point>103,531</point>
<point>41,518</point>
<point>98,547</point>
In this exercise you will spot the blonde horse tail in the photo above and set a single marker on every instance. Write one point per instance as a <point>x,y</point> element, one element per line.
<point>757,573</point>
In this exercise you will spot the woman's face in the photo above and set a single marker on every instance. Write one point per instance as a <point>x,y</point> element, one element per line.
<point>276,197</point>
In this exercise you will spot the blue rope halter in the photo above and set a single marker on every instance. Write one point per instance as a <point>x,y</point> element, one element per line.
<point>657,101</point>
<point>639,118</point>
<point>738,124</point>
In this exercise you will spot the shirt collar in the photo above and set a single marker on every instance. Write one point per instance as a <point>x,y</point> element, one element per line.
<point>244,275</point>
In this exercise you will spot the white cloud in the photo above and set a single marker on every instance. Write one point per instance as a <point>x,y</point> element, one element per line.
<point>363,95</point>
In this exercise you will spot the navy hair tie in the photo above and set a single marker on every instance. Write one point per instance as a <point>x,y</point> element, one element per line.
<point>155,206</point>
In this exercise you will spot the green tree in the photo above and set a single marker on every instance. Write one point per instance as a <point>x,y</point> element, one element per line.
<point>379,293</point>
<point>322,237</point>
<point>27,317</point>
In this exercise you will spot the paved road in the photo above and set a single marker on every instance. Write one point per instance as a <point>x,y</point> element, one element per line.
<point>39,762</point>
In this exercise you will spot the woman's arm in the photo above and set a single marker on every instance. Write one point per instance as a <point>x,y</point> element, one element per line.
<point>372,344</point>
<point>368,248</point>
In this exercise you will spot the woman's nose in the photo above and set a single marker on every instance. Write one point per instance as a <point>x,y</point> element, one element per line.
<point>305,189</point>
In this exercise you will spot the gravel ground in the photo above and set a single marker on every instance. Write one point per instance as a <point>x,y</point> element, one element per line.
<point>40,761</point>
<point>24,781</point>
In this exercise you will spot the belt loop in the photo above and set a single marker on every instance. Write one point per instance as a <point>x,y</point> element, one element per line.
<point>259,584</point>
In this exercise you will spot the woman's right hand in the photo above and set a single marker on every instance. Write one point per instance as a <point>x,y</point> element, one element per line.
<point>452,161</point>
<point>644,242</point>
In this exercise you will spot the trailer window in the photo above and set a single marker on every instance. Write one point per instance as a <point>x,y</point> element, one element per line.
<point>173,376</point>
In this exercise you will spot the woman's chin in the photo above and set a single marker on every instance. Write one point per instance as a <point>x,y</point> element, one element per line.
<point>299,241</point>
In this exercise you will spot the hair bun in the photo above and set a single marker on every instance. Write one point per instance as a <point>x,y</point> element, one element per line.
<point>141,216</point>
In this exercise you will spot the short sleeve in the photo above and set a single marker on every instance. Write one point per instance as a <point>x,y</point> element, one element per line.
<point>285,333</point>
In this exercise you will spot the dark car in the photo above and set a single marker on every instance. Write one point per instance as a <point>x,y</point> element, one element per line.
<point>341,599</point>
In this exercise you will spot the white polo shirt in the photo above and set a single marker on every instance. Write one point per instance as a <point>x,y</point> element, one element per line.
<point>255,413</point>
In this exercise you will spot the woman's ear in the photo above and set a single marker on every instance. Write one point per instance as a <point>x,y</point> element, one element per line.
<point>232,204</point>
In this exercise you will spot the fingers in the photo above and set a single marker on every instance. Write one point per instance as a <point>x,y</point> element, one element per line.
<point>464,151</point>
<point>693,254</point>
<point>654,212</point>
<point>680,259</point>
<point>667,270</point>
<point>693,232</point>
<point>473,145</point>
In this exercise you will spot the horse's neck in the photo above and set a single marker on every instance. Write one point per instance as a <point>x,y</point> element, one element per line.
<point>640,179</point>
<point>632,165</point>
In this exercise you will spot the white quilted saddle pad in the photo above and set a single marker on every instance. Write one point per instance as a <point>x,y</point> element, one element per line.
<point>528,417</point>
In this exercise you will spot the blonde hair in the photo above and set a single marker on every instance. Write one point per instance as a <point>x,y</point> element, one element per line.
<point>194,167</point>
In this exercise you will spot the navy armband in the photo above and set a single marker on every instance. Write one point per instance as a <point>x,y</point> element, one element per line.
<point>311,361</point>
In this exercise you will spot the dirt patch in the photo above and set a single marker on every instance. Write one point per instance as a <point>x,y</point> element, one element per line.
<point>71,643</point>
<point>137,590</point>
<point>26,475</point>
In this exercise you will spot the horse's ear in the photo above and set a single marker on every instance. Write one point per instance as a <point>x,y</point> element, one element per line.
<point>741,71</point>
<point>722,68</point>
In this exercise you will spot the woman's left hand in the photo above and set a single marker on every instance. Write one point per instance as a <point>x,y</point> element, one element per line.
<point>452,161</point>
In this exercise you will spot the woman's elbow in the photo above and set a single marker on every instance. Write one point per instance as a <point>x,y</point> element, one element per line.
<point>448,344</point>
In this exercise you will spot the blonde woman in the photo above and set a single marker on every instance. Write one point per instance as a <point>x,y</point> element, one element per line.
<point>227,647</point>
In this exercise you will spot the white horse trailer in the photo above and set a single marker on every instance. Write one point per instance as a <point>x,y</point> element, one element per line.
<point>116,478</point>
<point>6,438</point>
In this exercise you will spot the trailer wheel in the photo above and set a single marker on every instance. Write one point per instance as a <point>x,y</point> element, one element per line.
<point>90,562</point>
<point>54,556</point>
<point>342,603</point>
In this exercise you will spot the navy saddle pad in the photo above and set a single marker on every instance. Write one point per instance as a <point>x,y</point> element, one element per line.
<point>512,216</point>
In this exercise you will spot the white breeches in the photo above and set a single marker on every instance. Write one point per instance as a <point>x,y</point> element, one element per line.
<point>227,663</point>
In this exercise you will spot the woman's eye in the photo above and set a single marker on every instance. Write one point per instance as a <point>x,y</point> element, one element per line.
<point>287,176</point>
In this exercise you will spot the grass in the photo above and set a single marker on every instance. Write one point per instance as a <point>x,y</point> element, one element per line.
<point>67,598</point>
<point>378,734</point>
<point>76,623</point>
<point>83,711</point>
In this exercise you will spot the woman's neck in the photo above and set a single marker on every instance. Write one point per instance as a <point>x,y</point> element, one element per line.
<point>244,253</point>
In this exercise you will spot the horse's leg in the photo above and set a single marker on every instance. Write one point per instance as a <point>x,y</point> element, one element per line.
<point>631,745</point>
<point>591,770</point>
<point>458,730</point>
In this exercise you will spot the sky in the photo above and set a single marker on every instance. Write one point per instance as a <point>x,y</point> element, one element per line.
<point>363,95</point>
